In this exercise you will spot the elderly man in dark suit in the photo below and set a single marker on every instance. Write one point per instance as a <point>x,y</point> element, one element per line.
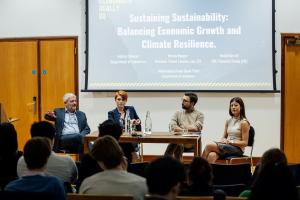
<point>70,124</point>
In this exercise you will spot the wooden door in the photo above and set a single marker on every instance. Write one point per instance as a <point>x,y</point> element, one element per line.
<point>19,84</point>
<point>290,98</point>
<point>58,71</point>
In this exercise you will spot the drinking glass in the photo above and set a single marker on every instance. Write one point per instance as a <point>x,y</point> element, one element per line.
<point>171,129</point>
<point>132,128</point>
<point>185,131</point>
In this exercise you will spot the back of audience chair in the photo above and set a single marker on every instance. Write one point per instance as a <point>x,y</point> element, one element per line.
<point>4,195</point>
<point>194,198</point>
<point>232,190</point>
<point>298,190</point>
<point>97,197</point>
<point>295,169</point>
<point>206,198</point>
<point>138,168</point>
<point>224,174</point>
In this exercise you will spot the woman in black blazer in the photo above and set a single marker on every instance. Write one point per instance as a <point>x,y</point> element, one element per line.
<point>118,114</point>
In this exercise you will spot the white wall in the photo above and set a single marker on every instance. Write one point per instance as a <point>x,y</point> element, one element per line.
<point>28,18</point>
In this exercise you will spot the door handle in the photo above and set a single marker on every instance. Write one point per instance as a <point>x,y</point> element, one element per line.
<point>32,106</point>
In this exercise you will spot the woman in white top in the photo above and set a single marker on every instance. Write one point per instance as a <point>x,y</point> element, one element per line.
<point>235,137</point>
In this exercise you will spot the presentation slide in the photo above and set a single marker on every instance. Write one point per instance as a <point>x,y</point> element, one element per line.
<point>174,45</point>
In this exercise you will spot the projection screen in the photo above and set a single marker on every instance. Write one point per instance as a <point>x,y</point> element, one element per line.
<point>175,45</point>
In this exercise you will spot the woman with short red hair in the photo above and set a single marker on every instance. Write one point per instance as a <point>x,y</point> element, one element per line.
<point>119,113</point>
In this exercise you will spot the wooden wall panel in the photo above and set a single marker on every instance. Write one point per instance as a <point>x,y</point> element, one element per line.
<point>290,100</point>
<point>44,68</point>
<point>19,83</point>
<point>58,74</point>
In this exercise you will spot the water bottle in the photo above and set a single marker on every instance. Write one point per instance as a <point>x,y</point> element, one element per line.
<point>148,123</point>
<point>127,122</point>
<point>121,122</point>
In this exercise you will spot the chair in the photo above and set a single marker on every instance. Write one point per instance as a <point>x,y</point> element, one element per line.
<point>194,198</point>
<point>138,168</point>
<point>295,169</point>
<point>228,174</point>
<point>97,197</point>
<point>207,198</point>
<point>232,190</point>
<point>298,190</point>
<point>246,159</point>
<point>5,195</point>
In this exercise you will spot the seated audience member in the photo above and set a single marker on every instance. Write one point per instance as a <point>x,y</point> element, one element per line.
<point>199,180</point>
<point>114,180</point>
<point>61,166</point>
<point>175,151</point>
<point>109,127</point>
<point>188,119</point>
<point>235,137</point>
<point>164,178</point>
<point>36,153</point>
<point>70,124</point>
<point>9,154</point>
<point>274,179</point>
<point>89,165</point>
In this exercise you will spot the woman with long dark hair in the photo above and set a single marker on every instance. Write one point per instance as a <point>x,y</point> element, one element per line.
<point>236,133</point>
<point>274,179</point>
<point>9,154</point>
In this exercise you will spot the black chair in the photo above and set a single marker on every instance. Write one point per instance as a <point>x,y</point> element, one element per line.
<point>232,190</point>
<point>298,190</point>
<point>229,174</point>
<point>5,195</point>
<point>246,159</point>
<point>295,169</point>
<point>138,168</point>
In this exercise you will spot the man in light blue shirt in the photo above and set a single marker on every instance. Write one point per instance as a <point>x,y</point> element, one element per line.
<point>70,124</point>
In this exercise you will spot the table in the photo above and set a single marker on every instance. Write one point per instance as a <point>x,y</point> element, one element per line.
<point>155,137</point>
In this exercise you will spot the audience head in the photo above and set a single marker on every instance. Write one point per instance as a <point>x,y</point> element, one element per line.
<point>274,179</point>
<point>42,129</point>
<point>107,152</point>
<point>164,177</point>
<point>36,153</point>
<point>8,139</point>
<point>189,100</point>
<point>200,172</point>
<point>175,151</point>
<point>273,156</point>
<point>240,102</point>
<point>109,127</point>
<point>70,101</point>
